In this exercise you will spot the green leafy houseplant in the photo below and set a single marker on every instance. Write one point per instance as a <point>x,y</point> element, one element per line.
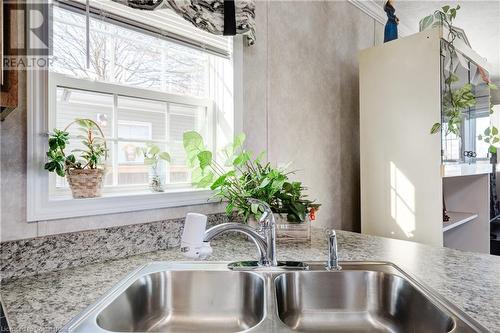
<point>243,177</point>
<point>85,171</point>
<point>152,158</point>
<point>456,101</point>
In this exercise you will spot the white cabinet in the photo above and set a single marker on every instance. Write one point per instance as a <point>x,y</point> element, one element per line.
<point>403,178</point>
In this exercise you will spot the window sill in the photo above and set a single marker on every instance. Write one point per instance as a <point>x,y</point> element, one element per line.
<point>66,207</point>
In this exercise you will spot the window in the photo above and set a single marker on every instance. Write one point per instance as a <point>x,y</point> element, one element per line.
<point>451,145</point>
<point>140,88</point>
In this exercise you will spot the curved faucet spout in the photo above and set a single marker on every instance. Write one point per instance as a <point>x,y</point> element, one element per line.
<point>266,243</point>
<point>244,229</point>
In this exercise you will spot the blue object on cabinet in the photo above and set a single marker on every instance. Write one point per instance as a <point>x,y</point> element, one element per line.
<point>391,27</point>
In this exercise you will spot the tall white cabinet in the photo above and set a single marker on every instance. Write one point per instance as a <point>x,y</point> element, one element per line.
<point>403,179</point>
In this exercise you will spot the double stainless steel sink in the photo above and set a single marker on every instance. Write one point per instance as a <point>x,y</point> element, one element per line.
<point>208,297</point>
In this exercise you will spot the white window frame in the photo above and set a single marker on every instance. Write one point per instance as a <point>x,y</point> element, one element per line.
<point>41,207</point>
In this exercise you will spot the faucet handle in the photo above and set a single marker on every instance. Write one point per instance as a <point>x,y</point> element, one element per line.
<point>333,257</point>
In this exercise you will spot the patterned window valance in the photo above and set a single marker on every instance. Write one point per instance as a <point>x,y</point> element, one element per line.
<point>207,15</point>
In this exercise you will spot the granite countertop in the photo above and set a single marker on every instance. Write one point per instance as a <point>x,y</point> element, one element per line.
<point>46,302</point>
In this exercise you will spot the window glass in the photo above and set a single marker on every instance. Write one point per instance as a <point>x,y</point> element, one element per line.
<point>141,119</point>
<point>451,145</point>
<point>126,56</point>
<point>73,103</point>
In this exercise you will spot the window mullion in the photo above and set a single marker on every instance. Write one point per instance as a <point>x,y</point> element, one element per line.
<point>167,145</point>
<point>115,143</point>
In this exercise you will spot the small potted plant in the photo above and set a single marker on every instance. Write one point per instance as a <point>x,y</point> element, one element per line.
<point>85,172</point>
<point>243,177</point>
<point>152,158</point>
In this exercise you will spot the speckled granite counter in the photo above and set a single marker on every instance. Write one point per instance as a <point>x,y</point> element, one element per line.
<point>46,302</point>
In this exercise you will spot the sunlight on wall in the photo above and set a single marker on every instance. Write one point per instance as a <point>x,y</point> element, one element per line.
<point>402,201</point>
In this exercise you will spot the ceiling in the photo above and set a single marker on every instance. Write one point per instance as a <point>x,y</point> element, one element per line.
<point>480,19</point>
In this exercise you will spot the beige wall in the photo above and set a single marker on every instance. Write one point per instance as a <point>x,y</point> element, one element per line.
<point>300,103</point>
<point>301,97</point>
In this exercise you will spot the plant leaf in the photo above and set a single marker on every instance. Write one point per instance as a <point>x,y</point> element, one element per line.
<point>435,128</point>
<point>219,182</point>
<point>192,140</point>
<point>206,180</point>
<point>254,208</point>
<point>153,150</point>
<point>229,208</point>
<point>196,175</point>
<point>165,156</point>
<point>241,159</point>
<point>265,182</point>
<point>239,140</point>
<point>205,158</point>
<point>260,157</point>
<point>426,22</point>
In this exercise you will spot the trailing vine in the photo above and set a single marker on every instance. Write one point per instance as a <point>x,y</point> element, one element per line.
<point>456,101</point>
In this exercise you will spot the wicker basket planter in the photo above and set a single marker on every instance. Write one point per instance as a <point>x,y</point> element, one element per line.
<point>85,183</point>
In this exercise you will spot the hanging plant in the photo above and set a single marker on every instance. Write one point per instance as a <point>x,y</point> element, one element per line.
<point>456,101</point>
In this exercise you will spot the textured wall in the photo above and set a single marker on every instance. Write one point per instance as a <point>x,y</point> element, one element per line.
<point>300,102</point>
<point>301,97</point>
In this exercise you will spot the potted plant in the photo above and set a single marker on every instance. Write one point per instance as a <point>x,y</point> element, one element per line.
<point>243,177</point>
<point>152,158</point>
<point>293,211</point>
<point>85,172</point>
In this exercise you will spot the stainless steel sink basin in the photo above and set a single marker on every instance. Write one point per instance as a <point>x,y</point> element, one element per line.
<point>207,297</point>
<point>187,301</point>
<point>356,301</point>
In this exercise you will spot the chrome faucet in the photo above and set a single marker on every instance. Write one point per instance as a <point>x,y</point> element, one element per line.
<point>333,259</point>
<point>264,237</point>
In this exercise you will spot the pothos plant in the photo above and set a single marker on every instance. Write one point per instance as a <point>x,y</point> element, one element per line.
<point>242,177</point>
<point>456,101</point>
<point>152,157</point>
<point>90,157</point>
